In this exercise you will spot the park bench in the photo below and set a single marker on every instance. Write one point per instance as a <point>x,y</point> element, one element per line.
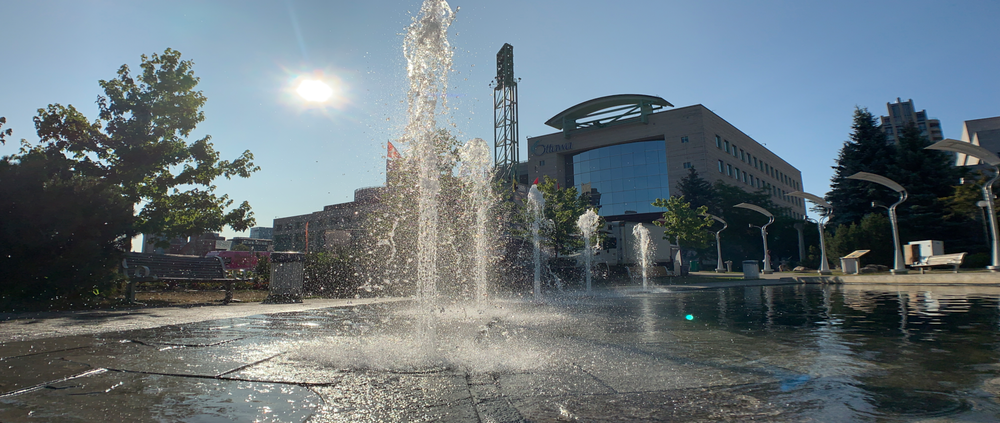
<point>940,260</point>
<point>142,267</point>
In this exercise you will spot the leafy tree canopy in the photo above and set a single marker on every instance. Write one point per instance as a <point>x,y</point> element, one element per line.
<point>563,206</point>
<point>684,224</point>
<point>139,145</point>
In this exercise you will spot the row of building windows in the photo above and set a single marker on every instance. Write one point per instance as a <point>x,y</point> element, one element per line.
<point>742,176</point>
<point>750,159</point>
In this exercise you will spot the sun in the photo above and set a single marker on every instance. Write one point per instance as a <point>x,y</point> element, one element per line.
<point>314,90</point>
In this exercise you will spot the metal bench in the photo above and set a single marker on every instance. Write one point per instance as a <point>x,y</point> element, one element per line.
<point>142,267</point>
<point>940,260</point>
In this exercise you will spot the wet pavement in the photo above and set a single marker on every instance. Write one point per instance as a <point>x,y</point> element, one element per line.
<point>762,353</point>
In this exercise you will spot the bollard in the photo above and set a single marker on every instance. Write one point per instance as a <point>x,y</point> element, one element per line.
<point>287,274</point>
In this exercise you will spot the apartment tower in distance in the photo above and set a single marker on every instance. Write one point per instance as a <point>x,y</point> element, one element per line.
<point>902,113</point>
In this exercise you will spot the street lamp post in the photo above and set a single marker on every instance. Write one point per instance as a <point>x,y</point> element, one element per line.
<point>899,268</point>
<point>824,267</point>
<point>763,232</point>
<point>991,159</point>
<point>718,243</point>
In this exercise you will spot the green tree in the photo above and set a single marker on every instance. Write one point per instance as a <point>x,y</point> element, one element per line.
<point>139,145</point>
<point>697,191</point>
<point>928,176</point>
<point>874,233</point>
<point>563,206</point>
<point>866,151</point>
<point>62,234</point>
<point>684,224</point>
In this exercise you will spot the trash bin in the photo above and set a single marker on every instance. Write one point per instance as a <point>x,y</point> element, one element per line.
<point>751,269</point>
<point>287,275</point>
<point>729,265</point>
<point>695,266</point>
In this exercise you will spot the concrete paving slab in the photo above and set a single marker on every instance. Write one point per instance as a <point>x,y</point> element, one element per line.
<point>134,397</point>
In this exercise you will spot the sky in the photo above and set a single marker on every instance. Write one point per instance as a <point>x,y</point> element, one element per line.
<point>787,73</point>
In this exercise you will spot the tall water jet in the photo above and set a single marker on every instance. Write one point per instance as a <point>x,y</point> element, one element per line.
<point>428,62</point>
<point>643,251</point>
<point>536,209</point>
<point>589,224</point>
<point>475,156</point>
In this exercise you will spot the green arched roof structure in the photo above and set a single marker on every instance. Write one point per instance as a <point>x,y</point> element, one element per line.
<point>603,111</point>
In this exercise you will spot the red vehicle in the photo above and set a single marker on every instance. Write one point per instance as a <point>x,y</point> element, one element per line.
<point>239,260</point>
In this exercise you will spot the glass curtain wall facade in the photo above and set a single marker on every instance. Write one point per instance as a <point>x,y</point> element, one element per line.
<point>624,178</point>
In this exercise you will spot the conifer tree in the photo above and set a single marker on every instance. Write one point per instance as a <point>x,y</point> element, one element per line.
<point>697,191</point>
<point>866,151</point>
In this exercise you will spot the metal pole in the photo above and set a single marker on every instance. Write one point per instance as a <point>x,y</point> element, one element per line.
<point>767,254</point>
<point>718,246</point>
<point>899,268</point>
<point>988,197</point>
<point>824,267</point>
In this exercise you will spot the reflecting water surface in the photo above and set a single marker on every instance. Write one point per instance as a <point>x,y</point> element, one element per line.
<point>844,352</point>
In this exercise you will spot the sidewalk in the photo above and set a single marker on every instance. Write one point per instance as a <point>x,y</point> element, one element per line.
<point>39,325</point>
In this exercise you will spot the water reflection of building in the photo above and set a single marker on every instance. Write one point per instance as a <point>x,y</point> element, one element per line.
<point>628,150</point>
<point>336,226</point>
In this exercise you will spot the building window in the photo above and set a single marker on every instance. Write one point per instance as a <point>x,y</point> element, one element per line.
<point>720,166</point>
<point>744,177</point>
<point>541,162</point>
<point>743,157</point>
<point>687,165</point>
<point>729,169</point>
<point>625,176</point>
<point>736,154</point>
<point>718,141</point>
<point>684,140</point>
<point>726,143</point>
<point>755,163</point>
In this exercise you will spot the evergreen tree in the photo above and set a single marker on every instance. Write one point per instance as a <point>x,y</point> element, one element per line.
<point>697,191</point>
<point>929,177</point>
<point>866,151</point>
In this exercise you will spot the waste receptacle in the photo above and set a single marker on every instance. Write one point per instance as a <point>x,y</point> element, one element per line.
<point>751,269</point>
<point>695,266</point>
<point>287,275</point>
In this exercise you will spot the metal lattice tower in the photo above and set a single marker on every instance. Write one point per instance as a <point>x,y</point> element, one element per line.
<point>505,144</point>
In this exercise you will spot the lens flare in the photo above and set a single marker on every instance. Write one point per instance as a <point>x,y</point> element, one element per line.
<point>314,90</point>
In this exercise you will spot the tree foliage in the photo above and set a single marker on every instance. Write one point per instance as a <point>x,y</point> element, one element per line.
<point>139,145</point>
<point>683,223</point>
<point>874,233</point>
<point>563,206</point>
<point>696,190</point>
<point>867,150</point>
<point>60,232</point>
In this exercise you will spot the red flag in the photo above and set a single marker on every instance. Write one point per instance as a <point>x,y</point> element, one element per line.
<point>393,152</point>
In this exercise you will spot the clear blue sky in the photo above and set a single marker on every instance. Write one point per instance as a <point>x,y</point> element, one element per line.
<point>787,73</point>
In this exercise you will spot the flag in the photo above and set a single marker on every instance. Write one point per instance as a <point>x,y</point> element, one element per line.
<point>536,182</point>
<point>393,153</point>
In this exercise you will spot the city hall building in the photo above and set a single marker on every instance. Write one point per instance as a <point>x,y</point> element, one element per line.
<point>629,150</point>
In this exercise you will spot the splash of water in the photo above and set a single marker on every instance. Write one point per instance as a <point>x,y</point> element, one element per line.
<point>475,156</point>
<point>428,62</point>
<point>588,224</point>
<point>644,251</point>
<point>536,208</point>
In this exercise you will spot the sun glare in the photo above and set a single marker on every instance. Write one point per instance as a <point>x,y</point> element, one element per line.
<point>314,90</point>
